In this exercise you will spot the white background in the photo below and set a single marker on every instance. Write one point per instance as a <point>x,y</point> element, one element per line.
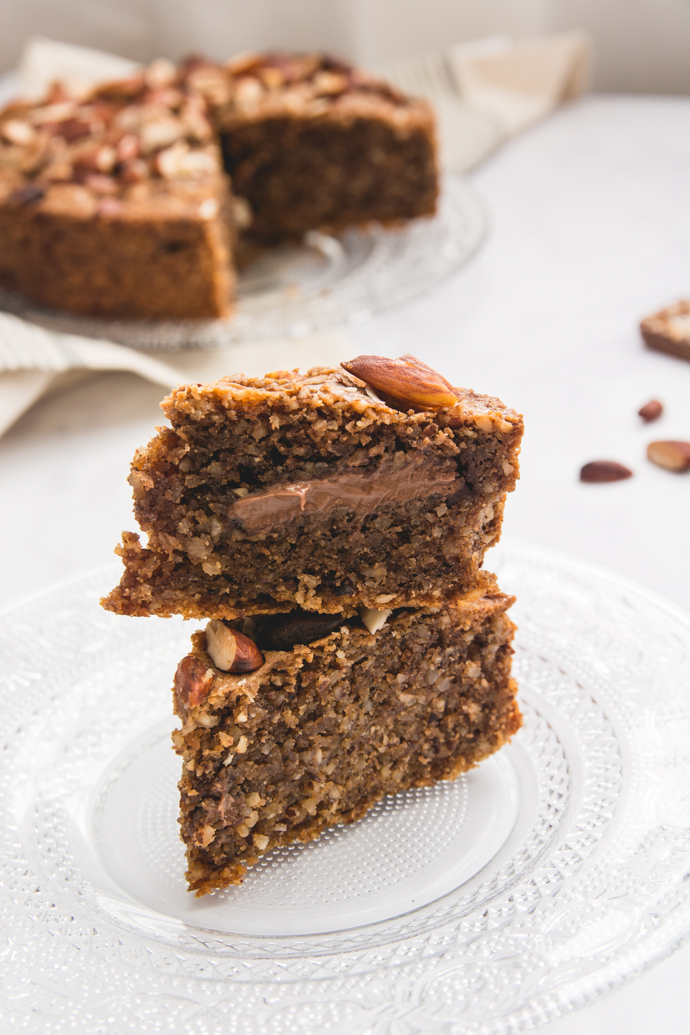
<point>641,46</point>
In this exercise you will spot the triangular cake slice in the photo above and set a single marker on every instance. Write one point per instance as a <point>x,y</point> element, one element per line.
<point>296,722</point>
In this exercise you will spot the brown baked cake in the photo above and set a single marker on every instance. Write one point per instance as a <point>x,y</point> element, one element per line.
<point>309,490</point>
<point>305,721</point>
<point>669,330</point>
<point>310,142</point>
<point>116,204</point>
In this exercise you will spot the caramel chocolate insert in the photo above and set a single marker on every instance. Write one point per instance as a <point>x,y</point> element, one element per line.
<point>358,494</point>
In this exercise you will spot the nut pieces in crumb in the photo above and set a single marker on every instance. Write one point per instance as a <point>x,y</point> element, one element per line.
<point>193,681</point>
<point>673,455</point>
<point>405,383</point>
<point>230,650</point>
<point>604,471</point>
<point>374,619</point>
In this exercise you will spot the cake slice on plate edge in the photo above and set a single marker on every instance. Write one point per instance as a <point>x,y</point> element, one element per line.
<point>311,733</point>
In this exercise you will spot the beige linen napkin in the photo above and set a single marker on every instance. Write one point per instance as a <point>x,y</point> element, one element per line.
<point>484,92</point>
<point>34,360</point>
<point>488,90</point>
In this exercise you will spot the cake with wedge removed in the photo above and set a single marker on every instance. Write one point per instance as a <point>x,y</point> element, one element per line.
<point>128,202</point>
<point>331,527</point>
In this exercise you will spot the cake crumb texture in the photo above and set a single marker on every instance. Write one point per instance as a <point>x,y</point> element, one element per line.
<point>303,490</point>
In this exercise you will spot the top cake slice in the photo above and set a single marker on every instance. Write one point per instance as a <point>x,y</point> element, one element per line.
<point>378,486</point>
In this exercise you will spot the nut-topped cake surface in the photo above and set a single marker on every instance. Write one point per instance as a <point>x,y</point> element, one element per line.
<point>312,491</point>
<point>124,190</point>
<point>126,187</point>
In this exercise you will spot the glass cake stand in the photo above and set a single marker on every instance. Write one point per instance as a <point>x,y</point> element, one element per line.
<point>551,874</point>
<point>326,282</point>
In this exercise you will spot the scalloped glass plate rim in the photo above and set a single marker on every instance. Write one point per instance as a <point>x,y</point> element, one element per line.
<point>632,954</point>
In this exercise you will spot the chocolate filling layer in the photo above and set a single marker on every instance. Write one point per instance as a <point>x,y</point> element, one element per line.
<point>357,492</point>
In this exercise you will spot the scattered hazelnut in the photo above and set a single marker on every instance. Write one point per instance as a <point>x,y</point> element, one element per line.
<point>604,471</point>
<point>284,631</point>
<point>651,410</point>
<point>674,456</point>
<point>192,680</point>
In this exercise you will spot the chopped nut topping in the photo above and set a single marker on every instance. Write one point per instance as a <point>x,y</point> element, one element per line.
<point>16,131</point>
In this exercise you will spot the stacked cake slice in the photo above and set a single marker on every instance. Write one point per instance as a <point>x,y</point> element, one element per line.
<point>332,527</point>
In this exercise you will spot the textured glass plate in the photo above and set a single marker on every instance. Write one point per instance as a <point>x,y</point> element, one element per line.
<point>295,291</point>
<point>551,874</point>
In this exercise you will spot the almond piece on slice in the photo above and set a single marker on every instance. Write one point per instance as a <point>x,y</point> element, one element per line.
<point>192,681</point>
<point>604,471</point>
<point>674,456</point>
<point>404,383</point>
<point>230,650</point>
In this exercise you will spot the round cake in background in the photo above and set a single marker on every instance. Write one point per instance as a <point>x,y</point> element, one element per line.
<point>139,199</point>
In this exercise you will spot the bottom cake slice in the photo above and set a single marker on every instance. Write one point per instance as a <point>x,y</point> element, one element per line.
<point>294,723</point>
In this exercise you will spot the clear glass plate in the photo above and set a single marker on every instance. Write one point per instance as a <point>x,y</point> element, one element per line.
<point>326,282</point>
<point>552,873</point>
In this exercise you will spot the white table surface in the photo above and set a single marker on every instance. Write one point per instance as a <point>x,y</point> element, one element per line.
<point>590,230</point>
